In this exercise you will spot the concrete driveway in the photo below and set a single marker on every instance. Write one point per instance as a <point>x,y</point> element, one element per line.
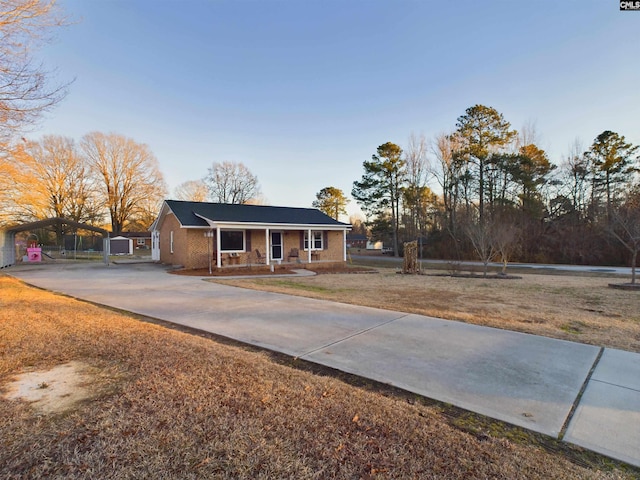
<point>587,395</point>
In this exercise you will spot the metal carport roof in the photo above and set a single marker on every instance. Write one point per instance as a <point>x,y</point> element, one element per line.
<point>8,235</point>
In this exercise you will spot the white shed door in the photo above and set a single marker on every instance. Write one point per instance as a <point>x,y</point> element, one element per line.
<point>155,245</point>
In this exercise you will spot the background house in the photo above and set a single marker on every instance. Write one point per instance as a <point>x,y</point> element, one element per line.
<point>356,240</point>
<point>375,245</point>
<point>141,240</point>
<point>199,234</point>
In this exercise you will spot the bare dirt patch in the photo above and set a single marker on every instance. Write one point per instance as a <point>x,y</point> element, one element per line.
<point>536,303</point>
<point>54,390</point>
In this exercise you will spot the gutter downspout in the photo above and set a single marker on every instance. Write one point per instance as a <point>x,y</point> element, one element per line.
<point>106,248</point>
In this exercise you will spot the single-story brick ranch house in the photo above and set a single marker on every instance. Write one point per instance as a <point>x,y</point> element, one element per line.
<point>201,234</point>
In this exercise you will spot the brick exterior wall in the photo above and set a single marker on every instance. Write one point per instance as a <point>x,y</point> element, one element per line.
<point>190,247</point>
<point>197,254</point>
<point>333,246</point>
<point>178,257</point>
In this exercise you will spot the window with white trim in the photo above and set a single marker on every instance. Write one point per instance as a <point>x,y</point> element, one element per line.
<point>140,241</point>
<point>232,240</point>
<point>316,240</point>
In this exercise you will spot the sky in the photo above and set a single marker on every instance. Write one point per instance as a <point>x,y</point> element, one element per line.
<point>303,92</point>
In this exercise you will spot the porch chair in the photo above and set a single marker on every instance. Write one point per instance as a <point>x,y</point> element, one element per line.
<point>294,253</point>
<point>259,257</point>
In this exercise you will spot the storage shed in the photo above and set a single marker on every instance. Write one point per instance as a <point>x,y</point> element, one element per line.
<point>121,246</point>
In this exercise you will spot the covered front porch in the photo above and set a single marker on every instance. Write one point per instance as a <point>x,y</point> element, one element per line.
<point>233,245</point>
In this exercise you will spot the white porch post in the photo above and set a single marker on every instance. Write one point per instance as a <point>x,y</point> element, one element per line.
<point>344,245</point>
<point>266,247</point>
<point>309,245</point>
<point>218,255</point>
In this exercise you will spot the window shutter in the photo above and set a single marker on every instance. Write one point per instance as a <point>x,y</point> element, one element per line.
<point>325,240</point>
<point>247,236</point>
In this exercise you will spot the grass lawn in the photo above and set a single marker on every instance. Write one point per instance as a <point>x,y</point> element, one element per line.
<point>579,308</point>
<point>160,403</point>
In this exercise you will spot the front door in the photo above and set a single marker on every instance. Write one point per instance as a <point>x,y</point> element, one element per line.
<point>276,245</point>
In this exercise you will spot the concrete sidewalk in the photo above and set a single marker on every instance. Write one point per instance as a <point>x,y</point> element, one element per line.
<point>530,381</point>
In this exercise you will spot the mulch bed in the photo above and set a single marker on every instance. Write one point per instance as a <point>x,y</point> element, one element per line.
<point>321,269</point>
<point>277,270</point>
<point>489,276</point>
<point>626,286</point>
<point>234,272</point>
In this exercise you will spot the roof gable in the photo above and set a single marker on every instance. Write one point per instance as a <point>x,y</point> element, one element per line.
<point>193,214</point>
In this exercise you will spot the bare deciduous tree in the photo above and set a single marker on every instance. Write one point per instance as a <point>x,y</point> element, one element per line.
<point>527,135</point>
<point>625,227</point>
<point>505,237</point>
<point>230,182</point>
<point>480,234</point>
<point>416,191</point>
<point>448,172</point>
<point>192,191</point>
<point>24,90</point>
<point>417,161</point>
<point>574,176</point>
<point>56,182</point>
<point>48,178</point>
<point>10,173</point>
<point>144,215</point>
<point>127,174</point>
<point>358,225</point>
<point>64,178</point>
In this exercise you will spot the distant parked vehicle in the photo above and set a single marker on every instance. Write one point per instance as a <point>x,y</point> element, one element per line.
<point>387,251</point>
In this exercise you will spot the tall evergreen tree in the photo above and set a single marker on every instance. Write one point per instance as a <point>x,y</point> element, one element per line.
<point>483,131</point>
<point>380,190</point>
<point>331,200</point>
<point>613,163</point>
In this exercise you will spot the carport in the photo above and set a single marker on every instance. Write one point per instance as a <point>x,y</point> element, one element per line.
<point>8,237</point>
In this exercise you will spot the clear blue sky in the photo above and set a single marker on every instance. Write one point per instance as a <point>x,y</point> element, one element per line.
<point>302,92</point>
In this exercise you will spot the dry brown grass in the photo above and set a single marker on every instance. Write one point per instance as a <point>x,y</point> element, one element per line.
<point>577,308</point>
<point>173,405</point>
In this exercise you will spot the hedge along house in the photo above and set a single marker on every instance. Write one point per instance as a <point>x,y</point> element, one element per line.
<point>200,235</point>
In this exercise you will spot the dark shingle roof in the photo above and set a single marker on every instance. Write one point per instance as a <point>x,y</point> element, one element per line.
<point>224,212</point>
